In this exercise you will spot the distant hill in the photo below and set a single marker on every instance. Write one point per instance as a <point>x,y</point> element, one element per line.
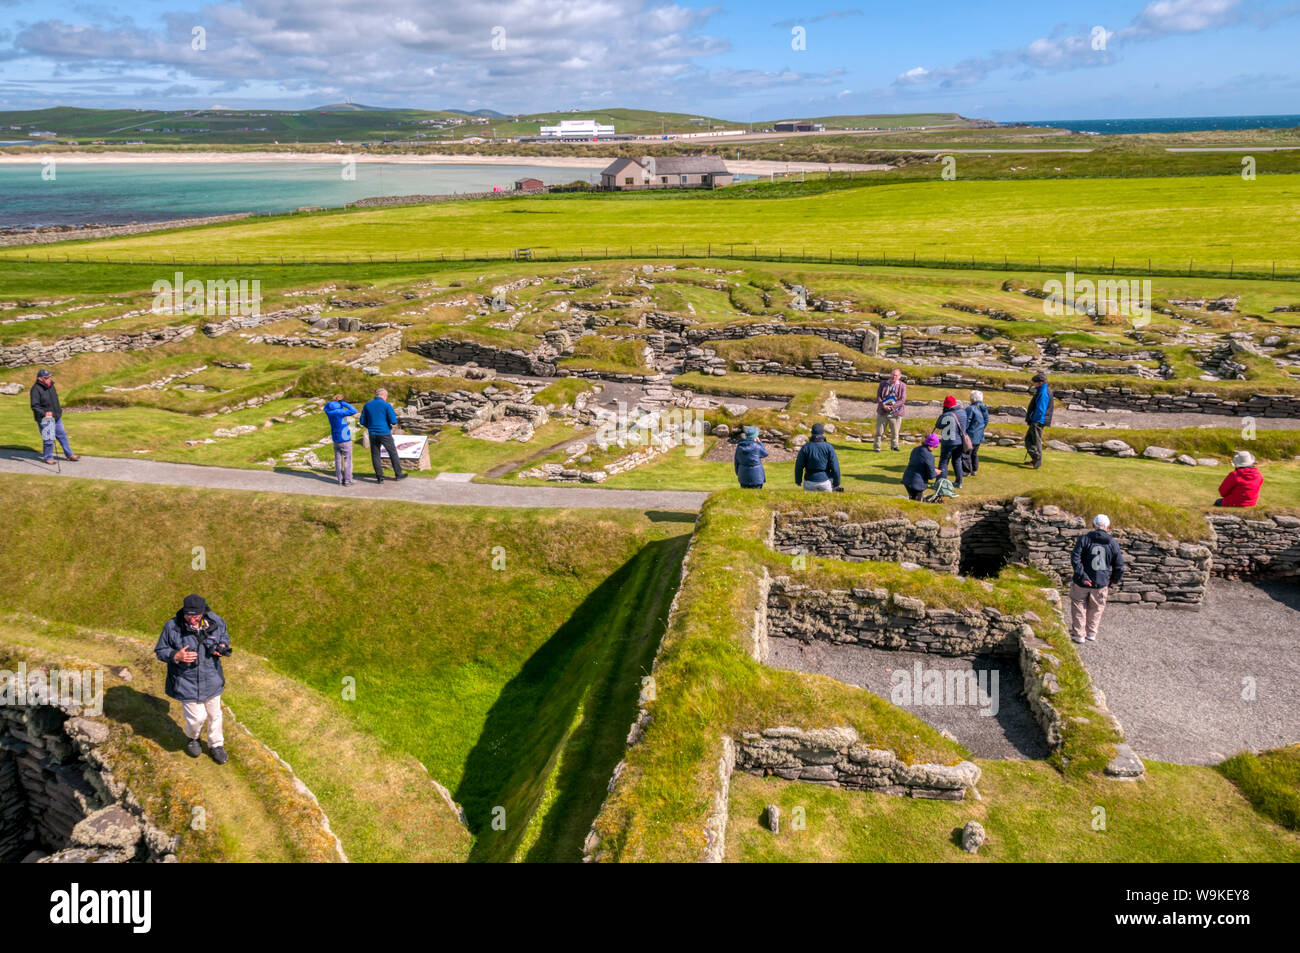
<point>356,123</point>
<point>882,120</point>
<point>344,107</point>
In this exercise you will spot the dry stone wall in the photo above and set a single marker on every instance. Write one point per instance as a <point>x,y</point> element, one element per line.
<point>896,539</point>
<point>1266,547</point>
<point>242,322</point>
<point>446,350</point>
<point>59,800</point>
<point>879,618</point>
<point>1158,570</point>
<point>837,757</point>
<point>36,352</point>
<point>1188,402</point>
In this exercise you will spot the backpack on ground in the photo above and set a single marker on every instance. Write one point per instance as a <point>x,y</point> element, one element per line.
<point>942,489</point>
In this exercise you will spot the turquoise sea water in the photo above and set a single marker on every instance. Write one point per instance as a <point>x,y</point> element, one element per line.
<point>1117,127</point>
<point>148,192</point>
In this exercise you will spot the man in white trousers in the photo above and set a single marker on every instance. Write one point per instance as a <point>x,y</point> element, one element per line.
<point>193,643</point>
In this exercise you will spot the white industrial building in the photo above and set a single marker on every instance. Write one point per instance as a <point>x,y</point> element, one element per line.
<point>577,129</point>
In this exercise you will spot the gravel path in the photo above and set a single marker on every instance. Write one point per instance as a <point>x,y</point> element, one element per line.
<point>414,490</point>
<point>1175,678</point>
<point>1133,420</point>
<point>1009,731</point>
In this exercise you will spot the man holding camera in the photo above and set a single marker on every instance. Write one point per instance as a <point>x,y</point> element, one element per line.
<point>192,643</point>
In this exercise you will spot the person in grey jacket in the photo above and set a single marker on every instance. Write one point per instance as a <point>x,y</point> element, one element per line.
<point>977,419</point>
<point>817,467</point>
<point>193,643</point>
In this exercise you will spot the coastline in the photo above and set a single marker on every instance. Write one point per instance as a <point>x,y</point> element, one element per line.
<point>741,166</point>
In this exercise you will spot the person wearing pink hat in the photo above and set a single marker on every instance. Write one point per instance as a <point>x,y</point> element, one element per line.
<point>920,467</point>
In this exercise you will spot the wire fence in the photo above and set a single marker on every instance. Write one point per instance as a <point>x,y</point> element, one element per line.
<point>732,251</point>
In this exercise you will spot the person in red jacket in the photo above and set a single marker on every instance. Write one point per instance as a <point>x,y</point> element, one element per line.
<point>1241,486</point>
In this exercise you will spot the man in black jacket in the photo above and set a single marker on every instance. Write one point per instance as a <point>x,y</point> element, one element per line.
<point>49,416</point>
<point>817,467</point>
<point>1098,564</point>
<point>192,643</point>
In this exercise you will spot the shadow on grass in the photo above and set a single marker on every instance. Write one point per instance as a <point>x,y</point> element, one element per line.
<point>148,715</point>
<point>557,730</point>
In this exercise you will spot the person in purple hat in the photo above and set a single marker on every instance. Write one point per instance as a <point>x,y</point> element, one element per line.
<point>920,467</point>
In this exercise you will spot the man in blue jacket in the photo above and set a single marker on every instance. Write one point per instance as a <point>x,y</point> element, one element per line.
<point>338,411</point>
<point>1038,416</point>
<point>192,643</point>
<point>1098,564</point>
<point>817,467</point>
<point>379,419</point>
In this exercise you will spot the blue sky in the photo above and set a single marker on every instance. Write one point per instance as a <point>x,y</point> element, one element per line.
<point>739,61</point>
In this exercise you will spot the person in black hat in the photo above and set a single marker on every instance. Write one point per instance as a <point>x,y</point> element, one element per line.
<point>193,643</point>
<point>49,416</point>
<point>817,467</point>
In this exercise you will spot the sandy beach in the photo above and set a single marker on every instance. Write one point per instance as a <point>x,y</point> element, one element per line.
<point>741,166</point>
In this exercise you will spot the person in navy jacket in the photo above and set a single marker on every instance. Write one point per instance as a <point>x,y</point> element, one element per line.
<point>193,643</point>
<point>920,467</point>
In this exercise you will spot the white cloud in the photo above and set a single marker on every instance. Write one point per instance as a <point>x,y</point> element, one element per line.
<point>397,52</point>
<point>1057,52</point>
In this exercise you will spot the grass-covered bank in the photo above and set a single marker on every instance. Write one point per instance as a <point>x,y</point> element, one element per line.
<point>514,686</point>
<point>376,799</point>
<point>1179,813</point>
<point>1248,225</point>
<point>1270,780</point>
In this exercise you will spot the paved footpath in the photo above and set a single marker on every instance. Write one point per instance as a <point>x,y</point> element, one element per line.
<point>413,489</point>
<point>1178,680</point>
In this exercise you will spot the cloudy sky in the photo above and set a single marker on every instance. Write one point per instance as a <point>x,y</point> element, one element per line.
<point>754,59</point>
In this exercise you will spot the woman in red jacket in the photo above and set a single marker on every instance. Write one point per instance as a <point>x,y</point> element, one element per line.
<point>1241,486</point>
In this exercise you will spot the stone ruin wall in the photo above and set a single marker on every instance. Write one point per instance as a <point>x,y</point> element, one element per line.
<point>897,622</point>
<point>505,361</point>
<point>1159,571</point>
<point>881,619</point>
<point>836,756</point>
<point>1264,546</point>
<point>59,799</point>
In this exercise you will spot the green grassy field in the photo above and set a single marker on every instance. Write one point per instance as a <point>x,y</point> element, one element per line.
<point>1220,222</point>
<point>513,686</point>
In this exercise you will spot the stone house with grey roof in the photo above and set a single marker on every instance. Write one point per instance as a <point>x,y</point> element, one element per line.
<point>666,172</point>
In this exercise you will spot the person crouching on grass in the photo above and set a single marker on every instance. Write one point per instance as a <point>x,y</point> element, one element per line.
<point>192,643</point>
